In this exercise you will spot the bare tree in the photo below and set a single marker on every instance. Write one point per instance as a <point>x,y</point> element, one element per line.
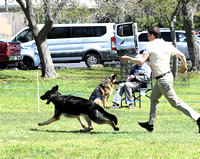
<point>172,22</point>
<point>188,9</point>
<point>40,36</point>
<point>116,11</point>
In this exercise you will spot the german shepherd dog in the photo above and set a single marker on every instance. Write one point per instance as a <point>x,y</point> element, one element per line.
<point>104,90</point>
<point>75,107</point>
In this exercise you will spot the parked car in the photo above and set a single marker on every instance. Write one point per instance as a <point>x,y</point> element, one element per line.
<point>9,53</point>
<point>31,59</point>
<point>166,35</point>
<point>92,43</point>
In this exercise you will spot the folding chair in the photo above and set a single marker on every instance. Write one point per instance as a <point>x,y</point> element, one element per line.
<point>143,92</point>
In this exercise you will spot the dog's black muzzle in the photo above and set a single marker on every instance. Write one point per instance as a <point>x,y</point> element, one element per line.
<point>43,97</point>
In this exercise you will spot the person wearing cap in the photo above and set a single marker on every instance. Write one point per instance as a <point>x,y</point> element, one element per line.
<point>159,52</point>
<point>138,77</point>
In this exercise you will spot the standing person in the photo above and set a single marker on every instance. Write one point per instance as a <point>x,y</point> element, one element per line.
<point>138,77</point>
<point>159,53</point>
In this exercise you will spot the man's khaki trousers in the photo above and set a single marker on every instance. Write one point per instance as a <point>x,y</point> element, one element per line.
<point>164,86</point>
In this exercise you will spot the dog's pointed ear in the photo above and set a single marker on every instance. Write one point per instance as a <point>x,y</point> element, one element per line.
<point>55,88</point>
<point>113,76</point>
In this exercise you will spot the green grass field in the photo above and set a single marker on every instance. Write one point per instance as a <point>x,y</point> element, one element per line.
<point>175,135</point>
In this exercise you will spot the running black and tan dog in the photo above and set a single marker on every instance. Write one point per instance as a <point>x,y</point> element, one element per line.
<point>104,90</point>
<point>75,107</point>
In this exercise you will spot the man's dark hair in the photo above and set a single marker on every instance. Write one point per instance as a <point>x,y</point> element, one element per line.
<point>155,31</point>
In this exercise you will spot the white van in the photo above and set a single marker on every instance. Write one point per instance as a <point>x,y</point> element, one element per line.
<point>92,43</point>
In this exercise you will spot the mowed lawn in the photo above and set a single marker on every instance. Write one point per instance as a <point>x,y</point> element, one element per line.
<point>175,135</point>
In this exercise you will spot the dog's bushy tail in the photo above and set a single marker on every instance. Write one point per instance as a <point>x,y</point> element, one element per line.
<point>108,115</point>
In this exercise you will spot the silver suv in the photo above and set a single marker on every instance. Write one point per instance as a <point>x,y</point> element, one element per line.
<point>166,35</point>
<point>94,43</point>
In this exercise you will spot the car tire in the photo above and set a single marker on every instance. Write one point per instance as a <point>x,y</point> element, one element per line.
<point>26,64</point>
<point>3,66</point>
<point>92,59</point>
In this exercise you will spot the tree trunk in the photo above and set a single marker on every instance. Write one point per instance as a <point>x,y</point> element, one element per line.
<point>45,58</point>
<point>41,36</point>
<point>173,36</point>
<point>175,58</point>
<point>193,47</point>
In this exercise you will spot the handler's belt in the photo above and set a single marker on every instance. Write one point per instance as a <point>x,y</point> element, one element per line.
<point>162,75</point>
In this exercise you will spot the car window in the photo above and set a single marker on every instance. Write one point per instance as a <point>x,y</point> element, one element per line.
<point>181,37</point>
<point>99,31</point>
<point>143,37</point>
<point>59,32</point>
<point>125,30</point>
<point>81,32</point>
<point>25,36</point>
<point>166,36</point>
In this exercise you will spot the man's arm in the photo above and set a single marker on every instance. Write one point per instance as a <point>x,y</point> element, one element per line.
<point>139,60</point>
<point>183,59</point>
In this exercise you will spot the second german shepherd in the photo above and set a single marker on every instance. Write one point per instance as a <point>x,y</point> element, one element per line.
<point>75,107</point>
<point>104,90</point>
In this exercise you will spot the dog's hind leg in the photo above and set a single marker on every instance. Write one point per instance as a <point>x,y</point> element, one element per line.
<point>53,119</point>
<point>81,122</point>
<point>89,122</point>
<point>107,121</point>
<point>110,122</point>
<point>100,118</point>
